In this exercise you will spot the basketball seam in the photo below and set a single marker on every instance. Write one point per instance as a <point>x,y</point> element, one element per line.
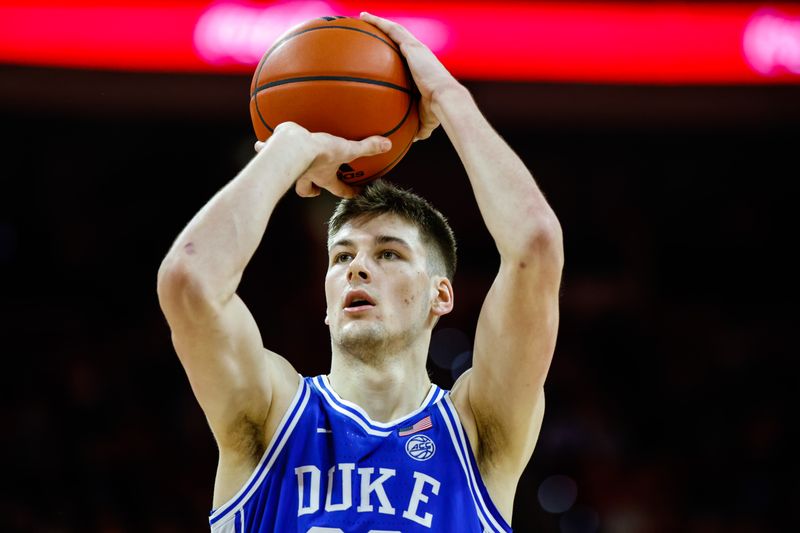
<point>411,99</point>
<point>302,79</point>
<point>257,76</point>
<point>260,117</point>
<point>411,102</point>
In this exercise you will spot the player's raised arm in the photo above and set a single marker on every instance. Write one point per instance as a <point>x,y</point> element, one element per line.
<point>516,331</point>
<point>233,377</point>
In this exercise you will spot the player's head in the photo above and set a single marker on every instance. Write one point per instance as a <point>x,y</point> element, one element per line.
<point>381,198</point>
<point>391,258</point>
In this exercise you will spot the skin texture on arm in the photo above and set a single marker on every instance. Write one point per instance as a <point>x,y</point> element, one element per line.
<point>242,387</point>
<point>214,334</point>
<point>516,331</point>
<point>501,399</point>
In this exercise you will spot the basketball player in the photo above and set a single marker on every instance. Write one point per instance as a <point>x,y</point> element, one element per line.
<point>373,445</point>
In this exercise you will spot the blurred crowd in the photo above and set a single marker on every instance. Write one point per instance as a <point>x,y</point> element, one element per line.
<point>668,398</point>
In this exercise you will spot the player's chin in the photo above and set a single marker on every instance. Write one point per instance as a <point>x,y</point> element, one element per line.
<point>359,327</point>
<point>363,333</point>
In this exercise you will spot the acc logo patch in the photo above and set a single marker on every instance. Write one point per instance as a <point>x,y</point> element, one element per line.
<point>420,447</point>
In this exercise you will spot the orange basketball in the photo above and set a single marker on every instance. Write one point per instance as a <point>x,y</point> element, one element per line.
<point>341,76</point>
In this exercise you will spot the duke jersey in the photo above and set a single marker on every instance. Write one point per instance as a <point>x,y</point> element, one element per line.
<point>330,469</point>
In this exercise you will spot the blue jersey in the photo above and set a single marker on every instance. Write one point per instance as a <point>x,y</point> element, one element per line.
<point>329,468</point>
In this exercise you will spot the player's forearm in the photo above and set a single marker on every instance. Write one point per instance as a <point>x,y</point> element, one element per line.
<point>213,250</point>
<point>513,208</point>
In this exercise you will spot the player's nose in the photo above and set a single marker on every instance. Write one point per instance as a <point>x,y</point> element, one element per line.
<point>358,270</point>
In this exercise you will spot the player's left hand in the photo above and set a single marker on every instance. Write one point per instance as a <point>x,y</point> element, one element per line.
<point>430,75</point>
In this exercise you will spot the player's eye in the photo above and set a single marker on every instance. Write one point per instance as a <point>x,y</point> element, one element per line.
<point>389,254</point>
<point>342,258</point>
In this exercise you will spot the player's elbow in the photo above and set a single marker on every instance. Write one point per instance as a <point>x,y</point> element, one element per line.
<point>547,235</point>
<point>172,278</point>
<point>541,242</point>
<point>181,291</point>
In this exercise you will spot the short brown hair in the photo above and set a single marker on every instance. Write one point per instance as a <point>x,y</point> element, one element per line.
<point>381,197</point>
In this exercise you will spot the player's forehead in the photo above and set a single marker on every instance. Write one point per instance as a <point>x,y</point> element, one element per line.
<point>365,231</point>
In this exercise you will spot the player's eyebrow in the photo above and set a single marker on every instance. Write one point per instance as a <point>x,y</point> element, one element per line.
<point>342,242</point>
<point>380,239</point>
<point>387,239</point>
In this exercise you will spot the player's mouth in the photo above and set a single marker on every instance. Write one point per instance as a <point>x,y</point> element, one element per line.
<point>358,301</point>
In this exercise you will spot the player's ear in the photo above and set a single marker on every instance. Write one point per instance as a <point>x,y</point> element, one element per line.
<point>443,296</point>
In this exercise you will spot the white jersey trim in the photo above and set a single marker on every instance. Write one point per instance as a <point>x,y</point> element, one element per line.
<point>462,450</point>
<point>282,433</point>
<point>357,414</point>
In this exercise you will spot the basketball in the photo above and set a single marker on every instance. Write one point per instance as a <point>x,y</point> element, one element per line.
<point>341,76</point>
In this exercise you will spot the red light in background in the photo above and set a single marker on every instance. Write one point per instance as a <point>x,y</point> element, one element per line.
<point>772,43</point>
<point>240,33</point>
<point>234,32</point>
<point>653,43</point>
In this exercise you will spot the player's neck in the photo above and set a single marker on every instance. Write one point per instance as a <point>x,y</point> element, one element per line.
<point>387,391</point>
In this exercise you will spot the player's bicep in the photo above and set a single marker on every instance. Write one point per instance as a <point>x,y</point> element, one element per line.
<point>221,354</point>
<point>231,374</point>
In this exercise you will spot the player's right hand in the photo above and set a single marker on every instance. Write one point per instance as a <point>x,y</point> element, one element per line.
<point>326,154</point>
<point>431,77</point>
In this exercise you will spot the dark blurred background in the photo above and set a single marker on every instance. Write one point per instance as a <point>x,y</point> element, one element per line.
<point>669,395</point>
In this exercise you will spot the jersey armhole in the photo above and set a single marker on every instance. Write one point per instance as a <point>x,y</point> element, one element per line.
<point>490,517</point>
<point>274,448</point>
